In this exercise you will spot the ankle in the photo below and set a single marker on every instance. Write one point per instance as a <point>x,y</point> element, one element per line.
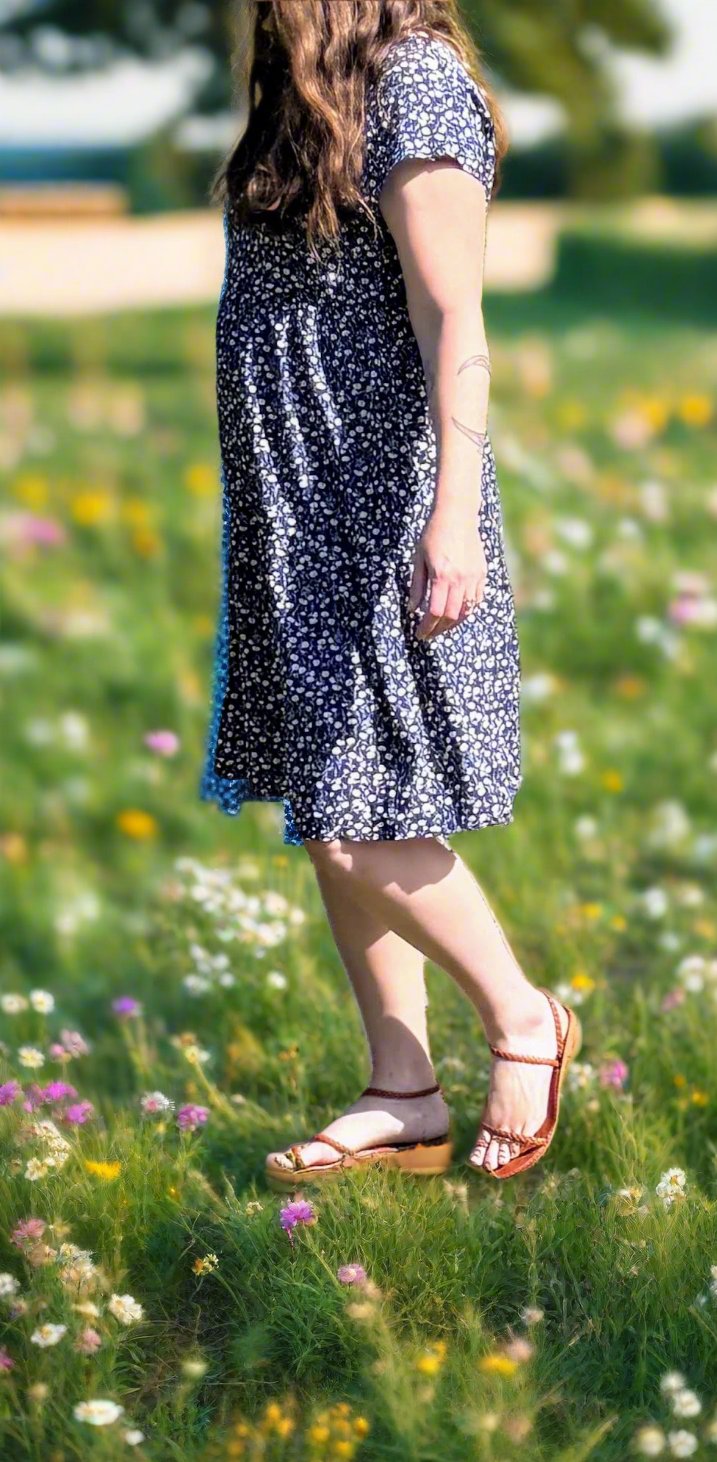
<point>524,1017</point>
<point>391,1078</point>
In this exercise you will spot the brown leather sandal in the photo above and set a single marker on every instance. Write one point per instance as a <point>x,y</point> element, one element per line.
<point>533,1146</point>
<point>427,1158</point>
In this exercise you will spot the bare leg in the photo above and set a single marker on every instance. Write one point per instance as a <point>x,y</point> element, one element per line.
<point>387,979</point>
<point>426,894</point>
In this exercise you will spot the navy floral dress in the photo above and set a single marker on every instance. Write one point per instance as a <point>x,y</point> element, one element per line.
<point>323,697</point>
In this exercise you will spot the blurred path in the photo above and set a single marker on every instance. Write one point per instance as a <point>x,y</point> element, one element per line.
<point>73,266</point>
<point>54,266</point>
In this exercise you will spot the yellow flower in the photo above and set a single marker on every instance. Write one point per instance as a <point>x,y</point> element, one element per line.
<point>344,1449</point>
<point>146,542</point>
<point>430,1362</point>
<point>362,1427</point>
<point>582,981</point>
<point>135,511</point>
<point>107,1171</point>
<point>205,1265</point>
<point>612,781</point>
<point>201,479</point>
<point>31,489</point>
<point>591,911</point>
<point>705,928</point>
<point>497,1365</point>
<point>571,415</point>
<point>630,687</point>
<point>318,1434</point>
<point>699,1098</point>
<point>91,507</point>
<point>679,1080</point>
<point>618,922</point>
<point>696,410</point>
<point>655,410</point>
<point>135,823</point>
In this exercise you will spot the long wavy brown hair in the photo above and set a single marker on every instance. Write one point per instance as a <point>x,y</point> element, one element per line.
<point>305,66</point>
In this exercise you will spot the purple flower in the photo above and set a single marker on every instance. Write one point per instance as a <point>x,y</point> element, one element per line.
<point>672,999</point>
<point>614,1074</point>
<point>191,1117</point>
<point>351,1274</point>
<point>80,1113</point>
<point>57,1091</point>
<point>6,1361</point>
<point>43,531</point>
<point>9,1091</point>
<point>299,1212</point>
<point>27,1233</point>
<point>165,743</point>
<point>126,1006</point>
<point>32,1097</point>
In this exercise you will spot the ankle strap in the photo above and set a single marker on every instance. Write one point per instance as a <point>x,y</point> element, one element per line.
<point>402,1095</point>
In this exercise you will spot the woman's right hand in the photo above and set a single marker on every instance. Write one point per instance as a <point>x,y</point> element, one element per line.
<point>449,571</point>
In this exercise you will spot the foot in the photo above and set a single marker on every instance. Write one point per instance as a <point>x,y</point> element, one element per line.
<point>518,1094</point>
<point>373,1121</point>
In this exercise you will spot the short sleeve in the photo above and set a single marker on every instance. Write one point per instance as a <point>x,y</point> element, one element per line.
<point>427,105</point>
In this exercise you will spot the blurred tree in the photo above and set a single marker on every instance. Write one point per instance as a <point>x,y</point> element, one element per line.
<point>558,48</point>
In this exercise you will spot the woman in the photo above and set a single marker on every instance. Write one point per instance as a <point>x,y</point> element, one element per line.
<point>367,662</point>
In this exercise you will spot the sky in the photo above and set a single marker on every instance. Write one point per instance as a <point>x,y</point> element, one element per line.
<point>123,105</point>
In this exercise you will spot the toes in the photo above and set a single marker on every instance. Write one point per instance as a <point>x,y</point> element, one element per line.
<point>492,1160</point>
<point>504,1152</point>
<point>481,1147</point>
<point>280,1160</point>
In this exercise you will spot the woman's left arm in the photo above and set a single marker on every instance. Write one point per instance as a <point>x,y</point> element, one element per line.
<point>436,213</point>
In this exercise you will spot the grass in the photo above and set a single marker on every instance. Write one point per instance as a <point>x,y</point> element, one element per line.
<point>116,881</point>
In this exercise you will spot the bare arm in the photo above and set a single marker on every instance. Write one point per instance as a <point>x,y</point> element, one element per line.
<point>437,213</point>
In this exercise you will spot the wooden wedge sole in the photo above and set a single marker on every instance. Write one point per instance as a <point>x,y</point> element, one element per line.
<point>423,1159</point>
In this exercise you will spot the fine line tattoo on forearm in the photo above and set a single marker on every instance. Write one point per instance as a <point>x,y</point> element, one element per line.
<point>478,438</point>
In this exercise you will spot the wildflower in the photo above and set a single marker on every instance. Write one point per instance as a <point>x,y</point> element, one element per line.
<point>614,1074</point>
<point>194,1368</point>
<point>686,1403</point>
<point>301,1211</point>
<point>9,1286</point>
<point>205,1265</point>
<point>136,824</point>
<point>13,1004</point>
<point>27,1233</point>
<point>46,1335</point>
<point>98,1413</point>
<point>430,1361</point>
<point>126,1006</point>
<point>671,1382</point>
<point>88,1309</point>
<point>9,1091</point>
<point>253,1207</point>
<point>532,1315</point>
<point>276,981</point>
<point>30,1056</point>
<point>6,1361</point>
<point>57,1091</point>
<point>42,1001</point>
<point>671,1186</point>
<point>107,1171</point>
<point>88,1341</point>
<point>672,999</point>
<point>134,1437</point>
<point>165,743</point>
<point>155,1102</point>
<point>39,1392</point>
<point>497,1365</point>
<point>351,1274</point>
<point>35,1170</point>
<point>190,1117</point>
<point>79,1113</point>
<point>519,1349</point>
<point>125,1309</point>
<point>362,1426</point>
<point>71,1044</point>
<point>682,1443</point>
<point>650,1441</point>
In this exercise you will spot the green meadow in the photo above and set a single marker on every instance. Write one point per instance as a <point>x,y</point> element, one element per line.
<point>172,1006</point>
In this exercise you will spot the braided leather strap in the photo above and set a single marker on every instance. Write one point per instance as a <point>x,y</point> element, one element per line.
<point>523,1138</point>
<point>538,1060</point>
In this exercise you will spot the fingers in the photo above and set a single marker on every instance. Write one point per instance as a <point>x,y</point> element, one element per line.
<point>453,604</point>
<point>419,581</point>
<point>434,609</point>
